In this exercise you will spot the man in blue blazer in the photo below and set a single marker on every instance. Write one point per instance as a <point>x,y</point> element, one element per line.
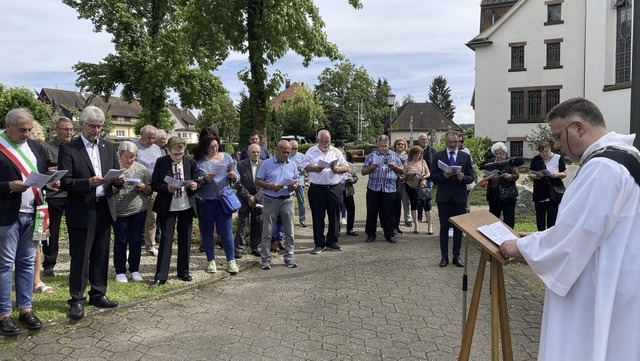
<point>451,194</point>
<point>90,210</point>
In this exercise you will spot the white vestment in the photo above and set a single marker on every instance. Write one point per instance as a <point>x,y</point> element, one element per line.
<point>590,263</point>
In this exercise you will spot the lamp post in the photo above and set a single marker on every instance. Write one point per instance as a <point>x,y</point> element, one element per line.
<point>391,99</point>
<point>315,124</point>
<point>411,131</point>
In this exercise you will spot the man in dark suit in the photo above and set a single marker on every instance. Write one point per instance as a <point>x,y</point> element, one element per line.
<point>19,156</point>
<point>452,193</point>
<point>250,195</point>
<point>90,210</point>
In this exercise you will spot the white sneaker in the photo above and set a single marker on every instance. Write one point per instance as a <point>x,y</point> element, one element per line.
<point>153,251</point>
<point>136,277</point>
<point>343,221</point>
<point>450,232</point>
<point>121,277</point>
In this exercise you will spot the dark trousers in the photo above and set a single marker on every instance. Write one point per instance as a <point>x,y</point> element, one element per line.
<point>167,224</point>
<point>380,204</point>
<point>126,232</point>
<point>324,200</point>
<point>255,232</point>
<point>50,248</point>
<point>350,205</point>
<point>446,210</point>
<point>508,211</point>
<point>89,250</point>
<point>546,213</point>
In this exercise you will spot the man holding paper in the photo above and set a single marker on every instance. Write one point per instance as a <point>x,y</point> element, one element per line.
<point>278,177</point>
<point>590,259</point>
<point>451,171</point>
<point>90,210</point>
<point>19,156</point>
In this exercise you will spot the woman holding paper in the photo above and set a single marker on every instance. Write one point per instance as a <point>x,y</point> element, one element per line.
<point>502,193</point>
<point>131,212</point>
<point>417,172</point>
<point>172,179</point>
<point>218,170</point>
<point>547,169</point>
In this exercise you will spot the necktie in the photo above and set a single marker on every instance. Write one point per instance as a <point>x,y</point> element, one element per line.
<point>177,175</point>
<point>452,161</point>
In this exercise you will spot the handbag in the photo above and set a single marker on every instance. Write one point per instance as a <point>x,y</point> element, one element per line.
<point>556,193</point>
<point>508,194</point>
<point>425,193</point>
<point>228,199</point>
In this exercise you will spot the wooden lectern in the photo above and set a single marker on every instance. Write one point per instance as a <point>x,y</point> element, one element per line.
<point>469,223</point>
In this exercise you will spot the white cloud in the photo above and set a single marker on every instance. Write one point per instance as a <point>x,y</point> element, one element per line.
<point>408,42</point>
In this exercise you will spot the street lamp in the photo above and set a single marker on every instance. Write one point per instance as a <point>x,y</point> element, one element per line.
<point>315,123</point>
<point>391,99</point>
<point>411,131</point>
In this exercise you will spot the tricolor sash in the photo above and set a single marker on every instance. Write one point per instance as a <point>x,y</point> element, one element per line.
<point>20,160</point>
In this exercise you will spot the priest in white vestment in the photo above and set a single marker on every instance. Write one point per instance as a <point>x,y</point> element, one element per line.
<point>590,260</point>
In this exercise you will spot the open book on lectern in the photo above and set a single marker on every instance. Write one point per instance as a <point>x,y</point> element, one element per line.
<point>497,232</point>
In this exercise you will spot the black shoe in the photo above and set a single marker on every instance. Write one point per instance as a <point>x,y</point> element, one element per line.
<point>157,283</point>
<point>48,272</point>
<point>103,302</point>
<point>444,262</point>
<point>256,253</point>
<point>334,247</point>
<point>370,239</point>
<point>397,231</point>
<point>392,240</point>
<point>237,255</point>
<point>77,311</point>
<point>407,224</point>
<point>201,248</point>
<point>458,262</point>
<point>351,233</point>
<point>302,224</point>
<point>185,277</point>
<point>8,327</point>
<point>30,320</point>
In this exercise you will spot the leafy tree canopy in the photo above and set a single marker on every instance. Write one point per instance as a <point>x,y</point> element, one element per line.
<point>11,98</point>
<point>298,114</point>
<point>156,52</point>
<point>222,117</point>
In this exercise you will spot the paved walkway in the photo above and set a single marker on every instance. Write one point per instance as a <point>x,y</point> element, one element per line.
<point>369,302</point>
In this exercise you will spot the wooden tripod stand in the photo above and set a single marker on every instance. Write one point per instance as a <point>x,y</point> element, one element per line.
<point>469,223</point>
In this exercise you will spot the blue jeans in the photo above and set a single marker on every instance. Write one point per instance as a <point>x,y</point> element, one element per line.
<point>300,198</point>
<point>18,248</point>
<point>212,213</point>
<point>126,231</point>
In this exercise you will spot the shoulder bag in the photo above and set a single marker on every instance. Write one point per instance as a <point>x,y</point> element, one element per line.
<point>228,199</point>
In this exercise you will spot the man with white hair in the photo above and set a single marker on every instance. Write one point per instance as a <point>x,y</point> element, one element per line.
<point>161,140</point>
<point>90,210</point>
<point>148,154</point>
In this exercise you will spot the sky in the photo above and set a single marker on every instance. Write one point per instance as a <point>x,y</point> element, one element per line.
<point>407,42</point>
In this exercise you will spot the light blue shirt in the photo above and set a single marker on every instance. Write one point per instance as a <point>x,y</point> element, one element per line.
<point>297,159</point>
<point>207,191</point>
<point>273,171</point>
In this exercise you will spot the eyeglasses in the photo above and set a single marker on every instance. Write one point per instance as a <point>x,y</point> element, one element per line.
<point>65,129</point>
<point>558,136</point>
<point>294,148</point>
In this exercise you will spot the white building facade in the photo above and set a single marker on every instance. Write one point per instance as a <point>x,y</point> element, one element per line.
<point>539,53</point>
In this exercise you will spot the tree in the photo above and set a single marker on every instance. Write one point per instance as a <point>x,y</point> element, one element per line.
<point>408,99</point>
<point>221,117</point>
<point>266,31</point>
<point>297,115</point>
<point>11,98</point>
<point>440,96</point>
<point>155,53</point>
<point>339,91</point>
<point>541,133</point>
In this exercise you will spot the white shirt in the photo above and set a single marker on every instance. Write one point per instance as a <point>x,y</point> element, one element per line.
<point>327,176</point>
<point>27,204</point>
<point>590,263</point>
<point>94,154</point>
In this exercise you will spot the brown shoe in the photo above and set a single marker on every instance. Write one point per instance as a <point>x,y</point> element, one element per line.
<point>281,246</point>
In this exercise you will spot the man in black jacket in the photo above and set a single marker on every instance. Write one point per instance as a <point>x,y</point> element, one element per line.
<point>90,210</point>
<point>19,156</point>
<point>452,193</point>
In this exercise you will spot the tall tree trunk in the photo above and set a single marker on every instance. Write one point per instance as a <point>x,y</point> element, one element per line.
<point>257,88</point>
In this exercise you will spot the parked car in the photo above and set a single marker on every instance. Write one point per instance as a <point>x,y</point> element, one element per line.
<point>299,138</point>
